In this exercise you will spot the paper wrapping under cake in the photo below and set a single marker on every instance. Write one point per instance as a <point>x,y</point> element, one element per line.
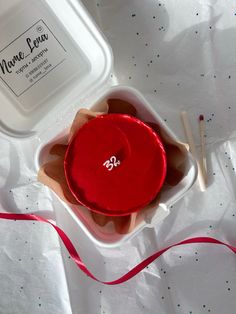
<point>52,172</point>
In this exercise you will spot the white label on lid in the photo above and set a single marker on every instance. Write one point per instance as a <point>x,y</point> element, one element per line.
<point>30,57</point>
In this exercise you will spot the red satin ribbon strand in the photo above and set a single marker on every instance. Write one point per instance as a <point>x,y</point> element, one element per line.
<point>134,271</point>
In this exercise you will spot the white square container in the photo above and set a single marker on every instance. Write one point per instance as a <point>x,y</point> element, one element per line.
<point>54,61</point>
<point>82,217</point>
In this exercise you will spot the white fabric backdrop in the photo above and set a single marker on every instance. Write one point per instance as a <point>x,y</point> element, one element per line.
<point>180,55</point>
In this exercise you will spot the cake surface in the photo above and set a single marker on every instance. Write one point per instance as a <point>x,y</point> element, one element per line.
<point>115,164</point>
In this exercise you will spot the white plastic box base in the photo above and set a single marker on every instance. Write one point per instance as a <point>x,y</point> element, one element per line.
<point>169,196</point>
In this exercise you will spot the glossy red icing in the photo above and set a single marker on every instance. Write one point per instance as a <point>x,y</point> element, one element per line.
<point>115,164</point>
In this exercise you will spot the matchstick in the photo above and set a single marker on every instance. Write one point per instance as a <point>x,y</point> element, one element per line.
<point>192,147</point>
<point>203,146</point>
<point>133,217</point>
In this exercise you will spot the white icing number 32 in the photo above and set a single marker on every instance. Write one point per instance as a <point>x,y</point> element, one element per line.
<point>111,163</point>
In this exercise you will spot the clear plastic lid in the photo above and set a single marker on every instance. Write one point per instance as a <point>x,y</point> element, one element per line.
<point>51,57</point>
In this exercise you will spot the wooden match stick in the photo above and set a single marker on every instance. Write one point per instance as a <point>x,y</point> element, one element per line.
<point>203,146</point>
<point>133,217</point>
<point>192,147</point>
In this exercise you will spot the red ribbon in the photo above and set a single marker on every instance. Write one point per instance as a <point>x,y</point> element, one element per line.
<point>130,274</point>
